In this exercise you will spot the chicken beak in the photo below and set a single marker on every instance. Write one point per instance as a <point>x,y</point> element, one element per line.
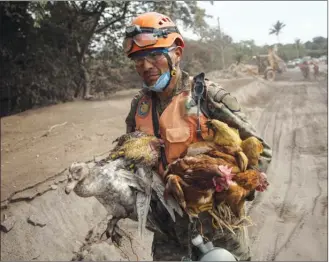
<point>70,186</point>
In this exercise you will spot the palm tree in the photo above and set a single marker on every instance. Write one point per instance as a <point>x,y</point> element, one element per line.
<point>276,29</point>
<point>297,45</point>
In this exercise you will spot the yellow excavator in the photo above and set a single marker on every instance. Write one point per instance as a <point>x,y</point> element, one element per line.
<point>270,64</point>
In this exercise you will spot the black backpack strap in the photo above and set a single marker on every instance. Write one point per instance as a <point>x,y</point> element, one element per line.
<point>156,130</point>
<point>198,90</point>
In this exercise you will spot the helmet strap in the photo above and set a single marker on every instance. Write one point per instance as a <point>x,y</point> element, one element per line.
<point>172,69</point>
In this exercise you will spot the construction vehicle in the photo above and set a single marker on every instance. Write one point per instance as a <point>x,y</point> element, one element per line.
<point>268,65</point>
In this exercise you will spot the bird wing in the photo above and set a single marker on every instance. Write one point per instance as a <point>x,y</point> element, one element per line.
<point>107,176</point>
<point>143,200</point>
<point>171,205</point>
<point>142,206</point>
<point>129,177</point>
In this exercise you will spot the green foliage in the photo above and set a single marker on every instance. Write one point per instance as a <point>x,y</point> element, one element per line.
<point>277,28</point>
<point>54,49</point>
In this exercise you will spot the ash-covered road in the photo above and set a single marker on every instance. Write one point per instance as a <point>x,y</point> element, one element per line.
<point>290,218</point>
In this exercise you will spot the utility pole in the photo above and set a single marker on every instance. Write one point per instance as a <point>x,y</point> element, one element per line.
<point>221,43</point>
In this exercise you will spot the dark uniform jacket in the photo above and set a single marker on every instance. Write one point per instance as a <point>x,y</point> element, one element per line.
<point>173,243</point>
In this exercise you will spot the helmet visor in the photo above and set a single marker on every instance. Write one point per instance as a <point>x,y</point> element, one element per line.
<point>141,40</point>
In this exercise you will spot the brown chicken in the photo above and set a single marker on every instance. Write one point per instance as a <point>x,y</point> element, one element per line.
<point>231,154</point>
<point>138,148</point>
<point>208,166</point>
<point>193,180</point>
<point>243,183</point>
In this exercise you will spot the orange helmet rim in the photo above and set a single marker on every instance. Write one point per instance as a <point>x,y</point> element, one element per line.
<point>151,30</point>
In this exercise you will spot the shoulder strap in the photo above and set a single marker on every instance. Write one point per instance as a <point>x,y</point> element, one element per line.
<point>198,90</point>
<point>156,130</point>
<point>199,87</point>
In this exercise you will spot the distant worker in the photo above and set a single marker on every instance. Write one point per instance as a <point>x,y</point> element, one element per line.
<point>305,69</point>
<point>315,69</point>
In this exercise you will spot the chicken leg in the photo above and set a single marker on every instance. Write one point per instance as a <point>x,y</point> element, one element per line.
<point>173,186</point>
<point>112,231</point>
<point>194,211</point>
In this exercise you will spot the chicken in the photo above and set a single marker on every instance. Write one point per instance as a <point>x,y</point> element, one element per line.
<point>193,180</point>
<point>123,193</point>
<point>228,138</point>
<point>240,187</point>
<point>216,169</point>
<point>138,148</point>
<point>252,148</point>
<point>223,134</point>
<point>232,154</point>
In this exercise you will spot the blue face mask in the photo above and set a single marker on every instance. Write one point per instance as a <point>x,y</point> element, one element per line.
<point>160,84</point>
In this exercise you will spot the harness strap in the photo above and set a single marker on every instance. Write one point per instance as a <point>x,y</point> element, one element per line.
<point>156,130</point>
<point>199,88</point>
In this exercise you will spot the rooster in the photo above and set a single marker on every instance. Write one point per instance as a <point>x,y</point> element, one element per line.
<point>239,188</point>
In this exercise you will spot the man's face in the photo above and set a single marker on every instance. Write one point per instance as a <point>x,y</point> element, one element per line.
<point>152,64</point>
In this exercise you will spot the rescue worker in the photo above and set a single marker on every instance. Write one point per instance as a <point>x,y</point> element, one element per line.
<point>305,69</point>
<point>315,70</point>
<point>156,46</point>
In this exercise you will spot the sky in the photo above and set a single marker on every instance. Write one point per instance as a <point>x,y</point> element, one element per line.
<point>244,20</point>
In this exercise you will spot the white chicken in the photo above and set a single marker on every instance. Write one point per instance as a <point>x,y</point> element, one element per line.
<point>123,193</point>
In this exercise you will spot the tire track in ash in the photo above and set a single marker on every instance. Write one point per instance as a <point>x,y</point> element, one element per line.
<point>285,207</point>
<point>263,127</point>
<point>298,226</point>
<point>273,129</point>
<point>278,149</point>
<point>268,118</point>
<point>278,108</point>
<point>297,203</point>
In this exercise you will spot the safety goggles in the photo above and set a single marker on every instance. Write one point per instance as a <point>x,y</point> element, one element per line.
<point>153,56</point>
<point>145,36</point>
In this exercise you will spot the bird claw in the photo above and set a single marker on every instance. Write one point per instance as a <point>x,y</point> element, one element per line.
<point>114,156</point>
<point>195,210</point>
<point>174,188</point>
<point>112,231</point>
<point>114,235</point>
<point>131,167</point>
<point>206,207</point>
<point>117,155</point>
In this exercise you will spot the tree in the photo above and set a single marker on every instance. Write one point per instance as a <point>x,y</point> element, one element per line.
<point>217,40</point>
<point>297,45</point>
<point>276,29</point>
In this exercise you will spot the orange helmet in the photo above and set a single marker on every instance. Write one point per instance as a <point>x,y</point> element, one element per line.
<point>151,30</point>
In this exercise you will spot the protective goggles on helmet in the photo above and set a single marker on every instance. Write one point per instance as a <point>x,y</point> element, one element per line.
<point>152,56</point>
<point>145,36</point>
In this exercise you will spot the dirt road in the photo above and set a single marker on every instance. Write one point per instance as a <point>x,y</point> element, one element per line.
<point>290,219</point>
